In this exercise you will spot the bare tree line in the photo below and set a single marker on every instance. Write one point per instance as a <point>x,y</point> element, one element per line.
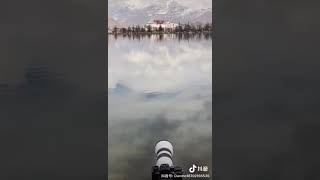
<point>181,28</point>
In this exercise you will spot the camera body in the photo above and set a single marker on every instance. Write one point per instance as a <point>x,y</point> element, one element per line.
<point>166,172</point>
<point>164,168</point>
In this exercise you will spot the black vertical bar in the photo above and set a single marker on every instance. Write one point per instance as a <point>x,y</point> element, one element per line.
<point>266,95</point>
<point>53,76</point>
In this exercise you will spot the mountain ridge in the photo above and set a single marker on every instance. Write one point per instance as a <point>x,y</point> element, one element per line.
<point>113,23</point>
<point>169,10</point>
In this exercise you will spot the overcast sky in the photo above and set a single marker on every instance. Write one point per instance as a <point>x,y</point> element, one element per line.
<point>194,4</point>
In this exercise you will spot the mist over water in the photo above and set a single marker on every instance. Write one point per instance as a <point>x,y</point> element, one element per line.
<point>158,88</point>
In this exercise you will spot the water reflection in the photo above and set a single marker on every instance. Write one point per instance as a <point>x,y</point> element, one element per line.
<point>162,37</point>
<point>159,87</point>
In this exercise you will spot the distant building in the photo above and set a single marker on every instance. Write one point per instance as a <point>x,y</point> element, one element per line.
<point>156,24</point>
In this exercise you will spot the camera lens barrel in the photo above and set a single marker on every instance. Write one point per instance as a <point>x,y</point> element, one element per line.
<point>164,153</point>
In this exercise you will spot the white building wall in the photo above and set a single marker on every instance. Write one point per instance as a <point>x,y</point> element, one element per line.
<point>166,25</point>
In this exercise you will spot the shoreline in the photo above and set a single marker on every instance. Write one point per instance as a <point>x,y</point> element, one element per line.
<point>160,33</point>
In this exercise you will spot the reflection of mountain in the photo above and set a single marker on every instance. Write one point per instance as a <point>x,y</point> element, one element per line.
<point>197,92</point>
<point>119,89</point>
<point>122,90</point>
<point>159,9</point>
<point>158,95</point>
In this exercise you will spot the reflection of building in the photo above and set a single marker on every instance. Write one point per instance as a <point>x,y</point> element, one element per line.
<point>156,24</point>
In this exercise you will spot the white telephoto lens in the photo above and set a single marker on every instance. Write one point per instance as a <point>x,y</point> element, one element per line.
<point>164,153</point>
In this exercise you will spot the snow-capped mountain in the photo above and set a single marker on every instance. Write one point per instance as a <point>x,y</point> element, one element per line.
<point>113,23</point>
<point>157,9</point>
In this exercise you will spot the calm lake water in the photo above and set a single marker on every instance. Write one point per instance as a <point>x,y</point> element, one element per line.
<point>159,87</point>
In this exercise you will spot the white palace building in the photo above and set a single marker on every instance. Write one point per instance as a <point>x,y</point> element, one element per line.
<point>156,24</point>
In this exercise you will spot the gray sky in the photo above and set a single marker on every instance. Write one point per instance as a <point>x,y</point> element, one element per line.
<point>194,4</point>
